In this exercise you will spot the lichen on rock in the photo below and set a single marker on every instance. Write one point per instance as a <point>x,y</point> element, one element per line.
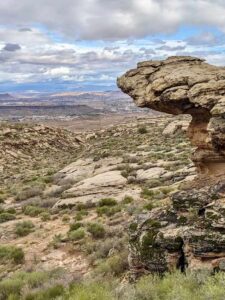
<point>190,233</point>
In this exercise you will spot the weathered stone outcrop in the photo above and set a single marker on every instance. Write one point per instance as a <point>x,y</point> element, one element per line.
<point>186,85</point>
<point>190,231</point>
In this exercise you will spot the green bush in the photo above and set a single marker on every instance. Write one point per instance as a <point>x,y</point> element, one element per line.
<point>21,284</point>
<point>33,211</point>
<point>29,192</point>
<point>51,293</point>
<point>10,289</point>
<point>127,200</point>
<point>91,291</point>
<point>96,230</point>
<point>24,228</point>
<point>77,234</point>
<point>45,216</point>
<point>11,211</point>
<point>11,253</point>
<point>114,265</point>
<point>80,214</point>
<point>5,216</point>
<point>147,194</point>
<point>148,206</point>
<point>108,211</point>
<point>142,130</point>
<point>65,218</point>
<point>107,202</point>
<point>75,226</point>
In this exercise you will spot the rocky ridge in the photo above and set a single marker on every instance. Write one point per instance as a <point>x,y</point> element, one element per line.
<point>189,233</point>
<point>22,146</point>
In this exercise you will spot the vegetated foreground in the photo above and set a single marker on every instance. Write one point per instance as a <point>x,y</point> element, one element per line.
<point>66,210</point>
<point>65,230</point>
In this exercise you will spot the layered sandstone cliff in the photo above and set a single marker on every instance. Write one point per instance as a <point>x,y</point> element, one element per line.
<point>190,231</point>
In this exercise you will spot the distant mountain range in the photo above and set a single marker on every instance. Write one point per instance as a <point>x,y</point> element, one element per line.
<point>6,97</point>
<point>66,104</point>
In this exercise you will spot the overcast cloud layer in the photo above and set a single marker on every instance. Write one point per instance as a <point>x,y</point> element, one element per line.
<point>113,19</point>
<point>93,41</point>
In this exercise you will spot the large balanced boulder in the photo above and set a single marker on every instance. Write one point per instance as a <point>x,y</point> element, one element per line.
<point>185,85</point>
<point>189,232</point>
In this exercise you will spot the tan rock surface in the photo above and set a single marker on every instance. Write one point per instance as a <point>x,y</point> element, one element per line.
<point>185,85</point>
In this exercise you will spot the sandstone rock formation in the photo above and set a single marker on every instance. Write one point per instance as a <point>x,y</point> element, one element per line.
<point>185,85</point>
<point>190,231</point>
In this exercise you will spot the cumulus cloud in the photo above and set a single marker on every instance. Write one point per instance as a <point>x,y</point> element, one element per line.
<point>113,19</point>
<point>97,40</point>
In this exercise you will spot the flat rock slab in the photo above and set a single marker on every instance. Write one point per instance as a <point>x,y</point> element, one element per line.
<point>97,184</point>
<point>85,168</point>
<point>152,173</point>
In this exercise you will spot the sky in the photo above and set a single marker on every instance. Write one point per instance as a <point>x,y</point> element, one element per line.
<point>84,45</point>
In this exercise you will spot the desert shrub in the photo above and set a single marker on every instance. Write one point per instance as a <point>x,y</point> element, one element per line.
<point>127,170</point>
<point>108,211</point>
<point>127,200</point>
<point>21,284</point>
<point>33,279</point>
<point>65,218</point>
<point>29,192</point>
<point>142,130</point>
<point>148,206</point>
<point>45,216</point>
<point>166,190</point>
<point>147,194</point>
<point>33,211</point>
<point>102,210</point>
<point>24,228</point>
<point>81,207</point>
<point>11,210</point>
<point>96,230</point>
<point>56,241</point>
<point>107,202</point>
<point>53,292</point>
<point>10,289</point>
<point>91,291</point>
<point>100,249</point>
<point>11,253</point>
<point>114,265</point>
<point>171,286</point>
<point>80,214</point>
<point>5,216</point>
<point>130,159</point>
<point>75,226</point>
<point>151,183</point>
<point>77,234</point>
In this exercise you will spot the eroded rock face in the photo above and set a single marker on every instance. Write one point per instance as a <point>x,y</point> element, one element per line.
<point>185,85</point>
<point>190,231</point>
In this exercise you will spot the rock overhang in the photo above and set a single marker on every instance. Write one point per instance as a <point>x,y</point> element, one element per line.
<point>175,85</point>
<point>185,85</point>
